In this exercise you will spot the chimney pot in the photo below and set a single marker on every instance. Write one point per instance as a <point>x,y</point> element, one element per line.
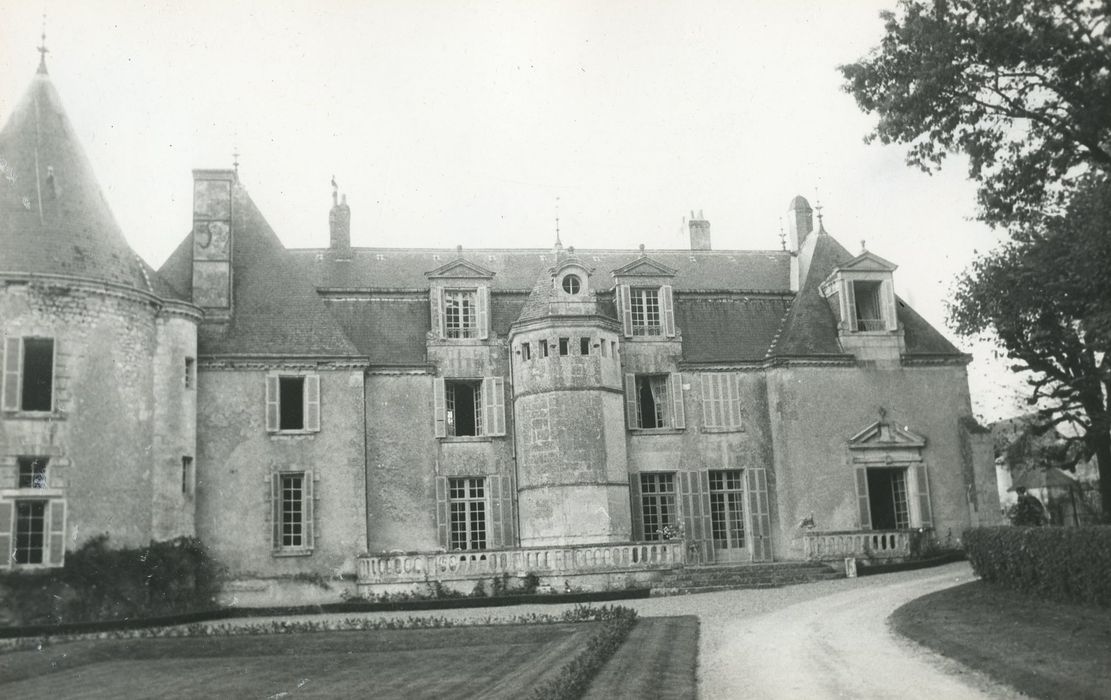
<point>339,224</point>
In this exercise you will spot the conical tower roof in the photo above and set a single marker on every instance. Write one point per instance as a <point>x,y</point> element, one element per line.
<point>53,216</point>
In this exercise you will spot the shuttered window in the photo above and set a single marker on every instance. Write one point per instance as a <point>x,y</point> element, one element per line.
<point>654,401</point>
<point>293,403</point>
<point>32,533</point>
<point>474,512</point>
<point>28,377</point>
<point>292,505</point>
<point>646,311</point>
<point>469,407</point>
<point>721,400</point>
<point>460,313</point>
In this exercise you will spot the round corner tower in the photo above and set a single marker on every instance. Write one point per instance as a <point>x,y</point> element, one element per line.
<point>572,474</point>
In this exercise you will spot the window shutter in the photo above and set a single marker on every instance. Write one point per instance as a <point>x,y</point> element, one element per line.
<point>678,418</point>
<point>308,510</point>
<point>631,401</point>
<point>694,498</point>
<point>443,522</point>
<point>56,553</point>
<point>312,402</point>
<point>636,508</point>
<point>272,395</point>
<point>887,303</point>
<point>925,514</point>
<point>493,397</point>
<point>439,410</point>
<point>501,511</point>
<point>436,305</point>
<point>483,312</point>
<point>7,512</point>
<point>13,364</point>
<point>706,381</point>
<point>733,399</point>
<point>625,308</point>
<point>761,515</point>
<point>668,307</point>
<point>862,498</point>
<point>276,511</point>
<point>850,300</point>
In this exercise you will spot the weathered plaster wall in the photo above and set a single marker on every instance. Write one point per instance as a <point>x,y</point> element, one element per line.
<point>175,428</point>
<point>236,458</point>
<point>814,411</point>
<point>107,442</point>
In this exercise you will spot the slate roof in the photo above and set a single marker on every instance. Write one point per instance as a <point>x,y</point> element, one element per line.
<point>729,328</point>
<point>810,327</point>
<point>54,218</point>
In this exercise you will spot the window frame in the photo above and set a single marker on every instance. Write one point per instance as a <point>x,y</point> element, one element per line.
<point>674,413</point>
<point>13,379</point>
<point>472,539</point>
<point>489,407</point>
<point>310,403</point>
<point>306,513</point>
<point>53,541</point>
<point>663,502</point>
<point>440,299</point>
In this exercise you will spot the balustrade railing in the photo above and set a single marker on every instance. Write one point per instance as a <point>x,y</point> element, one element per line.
<point>874,544</point>
<point>413,567</point>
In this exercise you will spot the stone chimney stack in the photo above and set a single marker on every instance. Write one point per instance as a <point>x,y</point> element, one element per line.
<point>700,232</point>
<point>800,222</point>
<point>339,224</point>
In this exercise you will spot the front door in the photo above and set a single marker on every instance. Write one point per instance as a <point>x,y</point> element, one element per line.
<point>727,515</point>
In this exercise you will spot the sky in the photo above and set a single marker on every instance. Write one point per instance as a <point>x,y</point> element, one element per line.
<point>474,122</point>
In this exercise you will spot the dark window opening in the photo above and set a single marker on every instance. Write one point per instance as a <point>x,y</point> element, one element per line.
<point>464,408</point>
<point>38,374</point>
<point>526,351</point>
<point>291,402</point>
<point>869,314</point>
<point>543,348</point>
<point>651,401</point>
<point>30,531</point>
<point>571,284</point>
<point>584,346</point>
<point>564,346</point>
<point>887,499</point>
<point>32,472</point>
<point>190,372</point>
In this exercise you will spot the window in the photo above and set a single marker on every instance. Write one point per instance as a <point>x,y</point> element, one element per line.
<point>190,372</point>
<point>644,304</point>
<point>887,499</point>
<point>469,407</point>
<point>293,403</point>
<point>727,509</point>
<point>564,346</point>
<point>584,346</point>
<point>32,472</point>
<point>29,374</point>
<point>187,476</point>
<point>602,347</point>
<point>721,401</point>
<point>33,532</point>
<point>543,348</point>
<point>292,494</point>
<point>657,504</point>
<point>654,401</point>
<point>572,284</point>
<point>526,352</point>
<point>30,532</point>
<point>467,503</point>
<point>461,313</point>
<point>868,314</point>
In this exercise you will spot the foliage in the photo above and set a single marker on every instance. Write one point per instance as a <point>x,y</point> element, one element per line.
<point>1064,564</point>
<point>1021,87</point>
<point>100,583</point>
<point>1047,299</point>
<point>576,674</point>
<point>1027,512</point>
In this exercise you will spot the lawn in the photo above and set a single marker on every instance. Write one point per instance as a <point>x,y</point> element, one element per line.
<point>1044,649</point>
<point>659,659</point>
<point>497,661</point>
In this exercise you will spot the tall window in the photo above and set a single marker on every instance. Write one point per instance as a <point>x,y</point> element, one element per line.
<point>645,306</point>
<point>190,373</point>
<point>652,401</point>
<point>292,403</point>
<point>887,498</point>
<point>467,502</point>
<point>657,504</point>
<point>721,401</point>
<point>869,311</point>
<point>32,472</point>
<point>727,509</point>
<point>293,510</point>
<point>463,401</point>
<point>29,374</point>
<point>30,532</point>
<point>460,313</point>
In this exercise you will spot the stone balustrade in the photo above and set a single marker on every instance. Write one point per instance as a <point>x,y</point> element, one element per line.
<point>416,567</point>
<point>873,544</point>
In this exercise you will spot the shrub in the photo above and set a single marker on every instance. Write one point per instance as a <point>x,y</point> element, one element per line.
<point>100,583</point>
<point>576,674</point>
<point>1066,564</point>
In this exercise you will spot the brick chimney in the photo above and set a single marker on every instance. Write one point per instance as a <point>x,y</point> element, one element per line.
<point>339,224</point>
<point>700,232</point>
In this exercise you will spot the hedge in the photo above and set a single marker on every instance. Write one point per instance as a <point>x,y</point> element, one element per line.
<point>1064,564</point>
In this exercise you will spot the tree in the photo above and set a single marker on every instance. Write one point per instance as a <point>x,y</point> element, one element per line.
<point>1022,87</point>
<point>1046,298</point>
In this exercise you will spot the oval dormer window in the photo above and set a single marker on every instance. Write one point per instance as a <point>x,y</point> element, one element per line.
<point>572,284</point>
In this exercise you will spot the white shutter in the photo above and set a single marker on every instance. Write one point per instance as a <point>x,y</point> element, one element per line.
<point>625,308</point>
<point>850,301</point>
<point>678,418</point>
<point>887,304</point>
<point>493,399</point>
<point>7,513</point>
<point>631,401</point>
<point>483,312</point>
<point>312,402</point>
<point>272,408</point>
<point>667,306</point>
<point>439,410</point>
<point>733,400</point>
<point>276,511</point>
<point>13,366</point>
<point>56,519</point>
<point>308,511</point>
<point>436,307</point>
<point>862,498</point>
<point>925,514</point>
<point>706,381</point>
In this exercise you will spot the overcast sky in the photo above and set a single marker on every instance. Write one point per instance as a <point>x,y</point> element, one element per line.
<point>459,122</point>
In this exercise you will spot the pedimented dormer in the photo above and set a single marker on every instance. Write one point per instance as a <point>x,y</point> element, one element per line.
<point>861,294</point>
<point>459,300</point>
<point>642,291</point>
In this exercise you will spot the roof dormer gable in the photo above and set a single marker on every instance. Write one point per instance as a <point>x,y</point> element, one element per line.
<point>460,269</point>
<point>883,434</point>
<point>868,262</point>
<point>642,267</point>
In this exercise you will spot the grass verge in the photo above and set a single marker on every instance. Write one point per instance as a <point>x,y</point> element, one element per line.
<point>659,659</point>
<point>1043,649</point>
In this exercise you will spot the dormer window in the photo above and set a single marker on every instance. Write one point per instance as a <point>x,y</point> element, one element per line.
<point>572,284</point>
<point>860,293</point>
<point>868,310</point>
<point>459,301</point>
<point>460,313</point>
<point>644,305</point>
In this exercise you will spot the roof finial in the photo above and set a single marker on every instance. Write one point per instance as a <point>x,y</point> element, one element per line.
<point>818,208</point>
<point>42,47</point>
<point>558,243</point>
<point>863,248</point>
<point>782,236</point>
<point>235,161</point>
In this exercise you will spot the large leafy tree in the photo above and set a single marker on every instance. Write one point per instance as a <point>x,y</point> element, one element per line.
<point>1046,298</point>
<point>1022,87</point>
